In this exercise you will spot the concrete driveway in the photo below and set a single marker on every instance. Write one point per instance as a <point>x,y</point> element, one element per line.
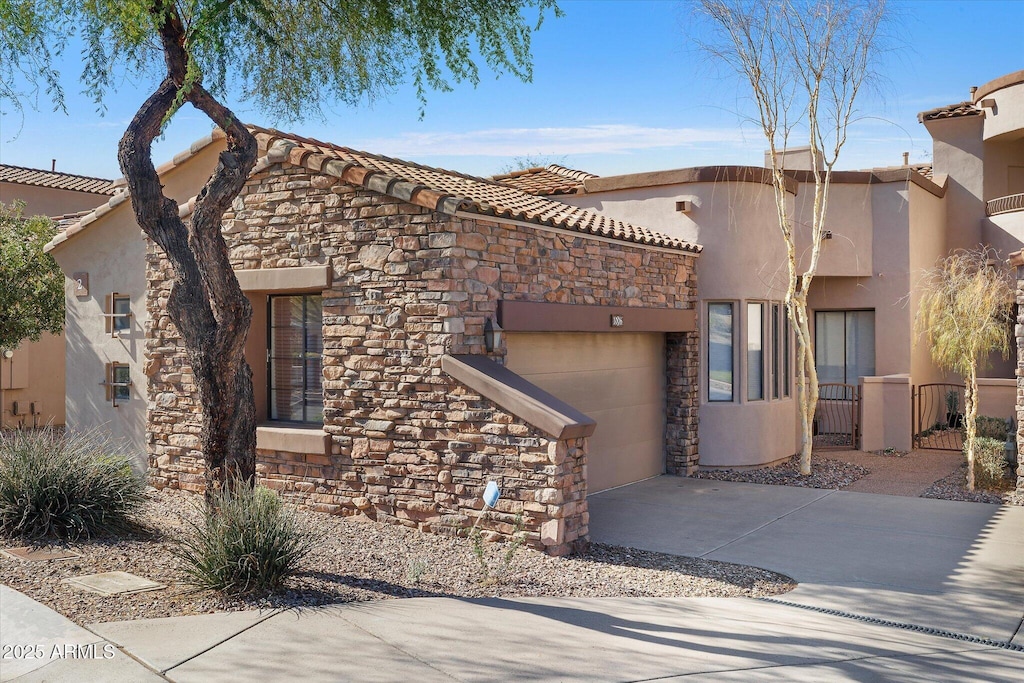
<point>934,563</point>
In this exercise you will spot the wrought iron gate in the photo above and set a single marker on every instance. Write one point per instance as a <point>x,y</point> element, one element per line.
<point>837,417</point>
<point>938,417</point>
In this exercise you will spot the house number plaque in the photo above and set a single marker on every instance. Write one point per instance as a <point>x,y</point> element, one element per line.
<point>617,321</point>
<point>81,282</point>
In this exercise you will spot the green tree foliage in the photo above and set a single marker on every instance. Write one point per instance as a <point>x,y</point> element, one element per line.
<point>290,58</point>
<point>964,314</point>
<point>31,284</point>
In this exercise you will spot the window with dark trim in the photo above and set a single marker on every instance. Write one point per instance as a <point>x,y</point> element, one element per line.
<point>844,346</point>
<point>295,358</point>
<point>776,350</point>
<point>119,383</point>
<point>720,352</point>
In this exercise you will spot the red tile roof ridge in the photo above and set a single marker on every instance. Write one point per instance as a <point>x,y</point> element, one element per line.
<point>951,111</point>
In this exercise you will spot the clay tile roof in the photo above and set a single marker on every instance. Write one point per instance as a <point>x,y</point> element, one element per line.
<point>450,192</point>
<point>55,180</point>
<point>951,111</point>
<point>66,220</point>
<point>923,169</point>
<point>550,180</point>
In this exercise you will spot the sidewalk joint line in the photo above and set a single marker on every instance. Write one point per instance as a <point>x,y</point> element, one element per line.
<point>273,613</point>
<point>753,531</point>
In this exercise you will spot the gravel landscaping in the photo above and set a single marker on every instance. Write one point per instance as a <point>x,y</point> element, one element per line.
<point>826,473</point>
<point>953,487</point>
<point>362,560</point>
<point>829,473</point>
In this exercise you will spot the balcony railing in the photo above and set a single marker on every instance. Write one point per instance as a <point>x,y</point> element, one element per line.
<point>1013,202</point>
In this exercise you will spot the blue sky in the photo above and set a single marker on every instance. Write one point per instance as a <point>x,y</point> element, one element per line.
<point>618,88</point>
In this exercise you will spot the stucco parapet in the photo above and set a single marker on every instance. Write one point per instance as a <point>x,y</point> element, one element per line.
<point>996,382</point>
<point>519,397</point>
<point>886,379</point>
<point>699,174</point>
<point>1015,78</point>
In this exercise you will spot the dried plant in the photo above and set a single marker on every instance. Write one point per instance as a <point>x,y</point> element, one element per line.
<point>964,314</point>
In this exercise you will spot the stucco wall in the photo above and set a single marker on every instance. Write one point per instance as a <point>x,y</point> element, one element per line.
<point>408,443</point>
<point>34,375</point>
<point>743,260</point>
<point>48,201</point>
<point>958,153</point>
<point>114,260</point>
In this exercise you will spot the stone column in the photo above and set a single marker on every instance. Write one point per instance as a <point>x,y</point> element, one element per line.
<point>1017,261</point>
<point>681,402</point>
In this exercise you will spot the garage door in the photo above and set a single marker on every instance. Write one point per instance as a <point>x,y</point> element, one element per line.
<point>617,379</point>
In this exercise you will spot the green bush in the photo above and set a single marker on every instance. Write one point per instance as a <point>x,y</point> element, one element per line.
<point>989,460</point>
<point>991,427</point>
<point>247,542</point>
<point>65,486</point>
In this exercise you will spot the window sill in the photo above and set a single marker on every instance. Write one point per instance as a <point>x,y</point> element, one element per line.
<point>289,439</point>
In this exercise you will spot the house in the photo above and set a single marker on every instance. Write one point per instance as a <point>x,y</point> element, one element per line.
<point>885,227</point>
<point>32,375</point>
<point>417,332</point>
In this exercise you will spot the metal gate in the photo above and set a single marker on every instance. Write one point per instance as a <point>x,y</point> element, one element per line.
<point>938,417</point>
<point>837,417</point>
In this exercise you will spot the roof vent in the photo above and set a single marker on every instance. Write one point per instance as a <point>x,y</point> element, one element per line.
<point>684,206</point>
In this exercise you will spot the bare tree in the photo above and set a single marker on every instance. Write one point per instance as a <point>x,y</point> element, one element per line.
<point>964,315</point>
<point>806,62</point>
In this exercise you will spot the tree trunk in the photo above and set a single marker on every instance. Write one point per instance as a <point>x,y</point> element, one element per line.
<point>806,378</point>
<point>206,303</point>
<point>970,426</point>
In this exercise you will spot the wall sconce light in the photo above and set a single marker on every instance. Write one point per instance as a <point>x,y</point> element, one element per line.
<point>7,354</point>
<point>492,335</point>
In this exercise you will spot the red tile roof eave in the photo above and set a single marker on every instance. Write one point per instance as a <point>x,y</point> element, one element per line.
<point>55,180</point>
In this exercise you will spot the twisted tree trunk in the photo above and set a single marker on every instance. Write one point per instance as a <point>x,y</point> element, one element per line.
<point>206,303</point>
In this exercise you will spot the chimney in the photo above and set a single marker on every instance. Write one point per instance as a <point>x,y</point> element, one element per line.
<point>906,158</point>
<point>974,89</point>
<point>53,165</point>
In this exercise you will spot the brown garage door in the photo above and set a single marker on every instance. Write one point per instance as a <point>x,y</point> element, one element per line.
<point>616,378</point>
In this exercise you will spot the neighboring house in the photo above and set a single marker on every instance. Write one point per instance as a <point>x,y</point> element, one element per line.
<point>885,227</point>
<point>408,323</point>
<point>32,379</point>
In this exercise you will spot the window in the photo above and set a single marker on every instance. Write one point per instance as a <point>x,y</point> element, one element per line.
<point>295,358</point>
<point>122,312</point>
<point>787,334</point>
<point>777,350</point>
<point>119,382</point>
<point>844,345</point>
<point>720,341</point>
<point>119,313</point>
<point>755,351</point>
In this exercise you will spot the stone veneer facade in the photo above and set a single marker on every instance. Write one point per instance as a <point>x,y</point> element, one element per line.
<point>1016,260</point>
<point>409,444</point>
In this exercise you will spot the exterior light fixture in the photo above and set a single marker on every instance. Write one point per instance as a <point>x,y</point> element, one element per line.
<point>492,335</point>
<point>7,354</point>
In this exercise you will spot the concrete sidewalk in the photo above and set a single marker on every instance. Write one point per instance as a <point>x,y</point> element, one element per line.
<point>37,644</point>
<point>955,567</point>
<point>613,639</point>
<point>940,564</point>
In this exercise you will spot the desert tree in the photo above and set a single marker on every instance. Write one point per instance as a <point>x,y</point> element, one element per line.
<point>288,58</point>
<point>806,62</point>
<point>964,315</point>
<point>31,284</point>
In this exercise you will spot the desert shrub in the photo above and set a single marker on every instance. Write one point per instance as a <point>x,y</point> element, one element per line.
<point>65,486</point>
<point>246,542</point>
<point>989,461</point>
<point>991,427</point>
